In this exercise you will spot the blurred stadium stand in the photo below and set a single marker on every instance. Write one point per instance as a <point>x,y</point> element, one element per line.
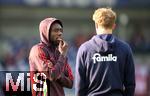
<point>19,21</point>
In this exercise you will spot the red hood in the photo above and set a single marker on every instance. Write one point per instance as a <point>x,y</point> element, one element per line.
<point>44,29</point>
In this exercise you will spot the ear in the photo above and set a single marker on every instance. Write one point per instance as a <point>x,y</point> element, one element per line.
<point>114,26</point>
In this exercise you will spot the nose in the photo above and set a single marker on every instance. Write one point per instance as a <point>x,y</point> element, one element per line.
<point>60,33</point>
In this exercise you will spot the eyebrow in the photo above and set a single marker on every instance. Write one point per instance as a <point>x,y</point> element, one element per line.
<point>56,29</point>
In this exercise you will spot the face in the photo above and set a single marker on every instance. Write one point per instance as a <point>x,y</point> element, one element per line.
<point>56,33</point>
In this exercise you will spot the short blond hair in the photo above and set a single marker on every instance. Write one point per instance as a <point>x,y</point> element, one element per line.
<point>104,17</point>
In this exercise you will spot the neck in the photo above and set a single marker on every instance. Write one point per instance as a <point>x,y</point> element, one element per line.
<point>101,30</point>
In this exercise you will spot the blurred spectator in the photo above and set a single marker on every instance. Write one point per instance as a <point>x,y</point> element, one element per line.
<point>138,41</point>
<point>148,82</point>
<point>141,80</point>
<point>75,44</point>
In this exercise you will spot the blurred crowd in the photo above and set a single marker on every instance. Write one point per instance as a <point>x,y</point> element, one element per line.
<point>15,58</point>
<point>139,41</point>
<point>15,55</point>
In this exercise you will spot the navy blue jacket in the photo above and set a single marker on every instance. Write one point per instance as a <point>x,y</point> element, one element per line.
<point>104,67</point>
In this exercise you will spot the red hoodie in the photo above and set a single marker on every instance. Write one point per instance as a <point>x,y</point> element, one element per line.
<point>44,58</point>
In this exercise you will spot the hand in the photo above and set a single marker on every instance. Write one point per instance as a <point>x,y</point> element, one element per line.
<point>62,47</point>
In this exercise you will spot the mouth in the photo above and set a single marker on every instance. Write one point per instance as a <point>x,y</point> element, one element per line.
<point>59,39</point>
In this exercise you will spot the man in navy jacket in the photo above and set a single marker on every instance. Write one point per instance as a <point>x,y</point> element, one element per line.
<point>104,64</point>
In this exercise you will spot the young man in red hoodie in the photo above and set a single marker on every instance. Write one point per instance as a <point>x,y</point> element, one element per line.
<point>48,59</point>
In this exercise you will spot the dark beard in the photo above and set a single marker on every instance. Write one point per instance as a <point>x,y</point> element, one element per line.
<point>54,43</point>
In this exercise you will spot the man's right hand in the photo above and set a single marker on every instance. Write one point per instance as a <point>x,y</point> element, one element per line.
<point>62,47</point>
